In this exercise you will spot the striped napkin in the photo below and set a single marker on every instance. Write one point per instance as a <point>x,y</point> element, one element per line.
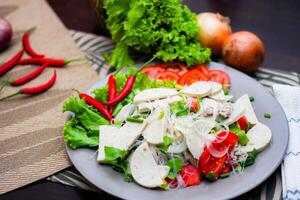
<point>93,46</point>
<point>289,98</point>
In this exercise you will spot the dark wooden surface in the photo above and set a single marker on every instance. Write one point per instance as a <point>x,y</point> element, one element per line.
<point>275,21</point>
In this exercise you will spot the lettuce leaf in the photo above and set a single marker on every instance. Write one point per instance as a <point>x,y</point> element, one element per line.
<point>153,27</point>
<point>83,129</point>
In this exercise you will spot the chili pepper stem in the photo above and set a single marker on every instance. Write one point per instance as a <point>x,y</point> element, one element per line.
<point>30,30</point>
<point>67,61</point>
<point>4,83</point>
<point>11,95</point>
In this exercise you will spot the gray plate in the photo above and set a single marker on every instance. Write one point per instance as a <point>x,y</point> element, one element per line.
<point>112,182</point>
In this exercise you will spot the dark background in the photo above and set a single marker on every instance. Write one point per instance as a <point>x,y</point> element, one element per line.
<point>276,22</point>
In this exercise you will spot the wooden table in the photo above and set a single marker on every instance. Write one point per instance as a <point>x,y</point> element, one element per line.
<point>275,21</point>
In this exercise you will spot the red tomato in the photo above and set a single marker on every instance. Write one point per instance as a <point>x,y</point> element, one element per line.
<point>203,68</point>
<point>193,104</point>
<point>176,67</point>
<point>226,169</point>
<point>190,175</point>
<point>153,70</point>
<point>242,123</point>
<point>192,76</point>
<point>211,166</point>
<point>172,183</point>
<point>220,77</point>
<point>168,75</point>
<point>229,142</point>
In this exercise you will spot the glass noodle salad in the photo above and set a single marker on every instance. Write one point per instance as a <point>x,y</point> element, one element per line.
<point>168,131</point>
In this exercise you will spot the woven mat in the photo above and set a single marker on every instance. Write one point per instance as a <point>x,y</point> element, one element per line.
<point>31,139</point>
<point>94,46</point>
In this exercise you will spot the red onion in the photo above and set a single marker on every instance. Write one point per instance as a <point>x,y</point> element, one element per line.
<point>5,33</point>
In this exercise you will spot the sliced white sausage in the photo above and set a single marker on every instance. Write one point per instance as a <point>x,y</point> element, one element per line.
<point>198,136</point>
<point>215,87</point>
<point>157,126</point>
<point>220,96</point>
<point>120,138</point>
<point>148,106</point>
<point>249,111</point>
<point>154,94</point>
<point>238,111</point>
<point>144,169</point>
<point>259,137</point>
<point>197,89</point>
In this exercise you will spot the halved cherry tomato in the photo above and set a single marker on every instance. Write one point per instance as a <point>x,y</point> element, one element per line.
<point>211,166</point>
<point>226,169</point>
<point>190,175</point>
<point>193,104</point>
<point>203,68</point>
<point>153,70</point>
<point>220,77</point>
<point>168,75</point>
<point>192,76</point>
<point>176,67</point>
<point>242,123</point>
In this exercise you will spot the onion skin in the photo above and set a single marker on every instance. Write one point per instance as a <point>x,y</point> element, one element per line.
<point>214,30</point>
<point>244,51</point>
<point>5,33</point>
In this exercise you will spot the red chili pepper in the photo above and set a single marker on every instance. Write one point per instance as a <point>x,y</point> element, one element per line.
<point>112,91</point>
<point>124,92</point>
<point>26,44</point>
<point>26,78</point>
<point>96,104</point>
<point>35,90</point>
<point>128,85</point>
<point>11,63</point>
<point>50,61</point>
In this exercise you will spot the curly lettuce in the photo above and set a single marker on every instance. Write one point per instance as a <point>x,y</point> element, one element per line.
<point>164,29</point>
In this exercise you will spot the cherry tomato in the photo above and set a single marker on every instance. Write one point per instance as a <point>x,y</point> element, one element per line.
<point>203,68</point>
<point>153,70</point>
<point>176,67</point>
<point>192,76</point>
<point>220,77</point>
<point>242,123</point>
<point>193,104</point>
<point>168,75</point>
<point>211,166</point>
<point>190,175</point>
<point>226,169</point>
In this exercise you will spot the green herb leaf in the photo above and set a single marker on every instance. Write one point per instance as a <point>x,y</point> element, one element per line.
<point>112,154</point>
<point>161,115</point>
<point>251,158</point>
<point>135,120</point>
<point>179,109</point>
<point>243,138</point>
<point>251,98</point>
<point>175,165</point>
<point>267,115</point>
<point>167,141</point>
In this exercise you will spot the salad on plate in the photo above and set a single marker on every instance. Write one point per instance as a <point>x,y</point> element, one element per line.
<point>167,126</point>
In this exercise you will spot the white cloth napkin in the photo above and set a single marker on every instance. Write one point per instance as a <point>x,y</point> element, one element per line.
<point>289,98</point>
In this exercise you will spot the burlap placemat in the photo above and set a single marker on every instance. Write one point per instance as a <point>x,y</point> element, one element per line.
<point>31,139</point>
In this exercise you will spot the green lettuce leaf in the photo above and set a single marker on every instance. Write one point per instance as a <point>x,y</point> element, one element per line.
<point>76,136</point>
<point>83,129</point>
<point>165,29</point>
